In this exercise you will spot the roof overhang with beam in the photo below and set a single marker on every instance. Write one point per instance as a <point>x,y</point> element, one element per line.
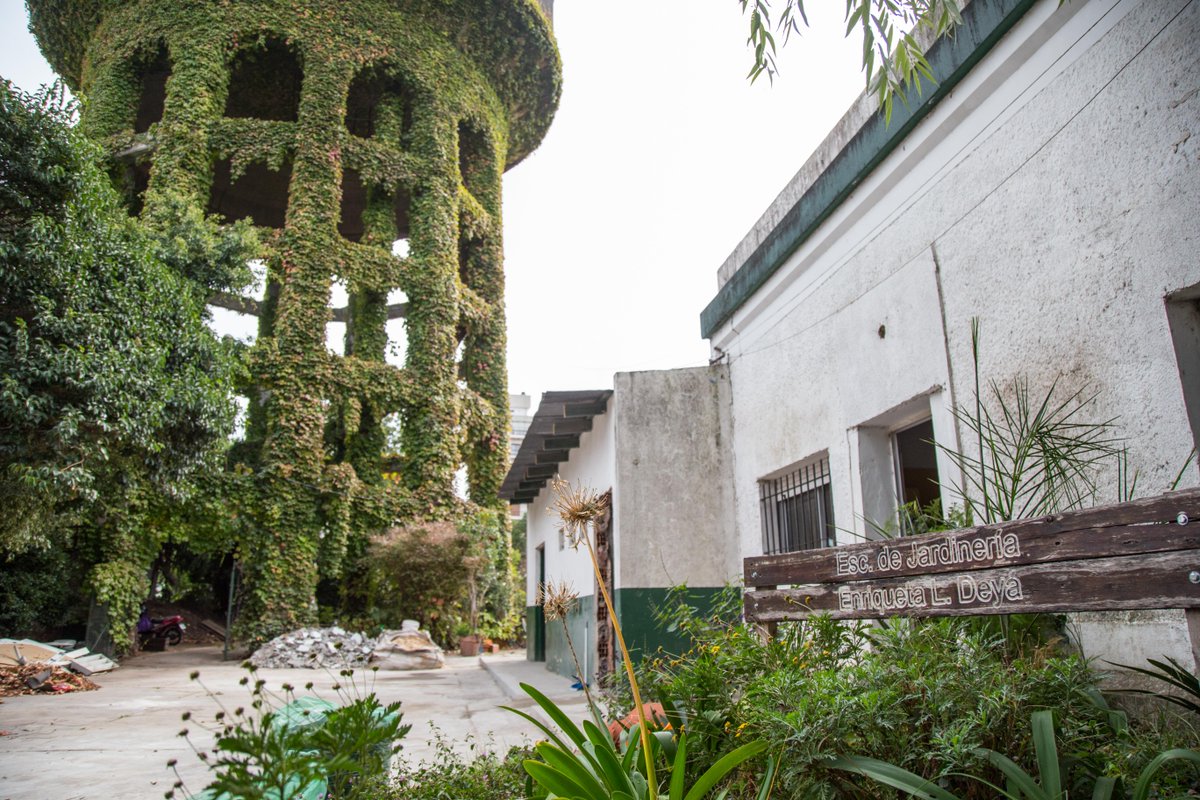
<point>561,418</point>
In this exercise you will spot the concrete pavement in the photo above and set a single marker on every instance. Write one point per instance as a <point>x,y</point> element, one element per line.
<point>115,742</point>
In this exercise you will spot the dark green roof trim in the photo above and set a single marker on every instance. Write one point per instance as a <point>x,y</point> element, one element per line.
<point>950,58</point>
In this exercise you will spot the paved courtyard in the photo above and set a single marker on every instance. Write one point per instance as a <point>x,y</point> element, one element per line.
<point>115,742</point>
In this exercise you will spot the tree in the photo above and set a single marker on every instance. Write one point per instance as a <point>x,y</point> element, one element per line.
<point>893,56</point>
<point>115,397</point>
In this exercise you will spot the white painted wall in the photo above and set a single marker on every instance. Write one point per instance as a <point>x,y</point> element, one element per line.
<point>1055,195</point>
<point>592,463</point>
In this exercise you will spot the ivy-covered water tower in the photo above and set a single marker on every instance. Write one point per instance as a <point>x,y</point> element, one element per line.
<point>366,138</point>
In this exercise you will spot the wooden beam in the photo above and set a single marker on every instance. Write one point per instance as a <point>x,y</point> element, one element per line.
<point>1137,555</point>
<point>552,456</point>
<point>589,409</point>
<point>976,548</point>
<point>233,302</point>
<point>1142,526</point>
<point>394,311</point>
<point>576,425</point>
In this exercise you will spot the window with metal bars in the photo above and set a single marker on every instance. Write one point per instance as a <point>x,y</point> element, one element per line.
<point>797,510</point>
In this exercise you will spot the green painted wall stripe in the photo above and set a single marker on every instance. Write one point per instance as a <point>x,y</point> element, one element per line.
<point>984,23</point>
<point>635,609</point>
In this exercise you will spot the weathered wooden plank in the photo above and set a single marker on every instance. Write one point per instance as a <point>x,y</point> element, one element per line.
<point>967,549</point>
<point>1159,580</point>
<point>551,457</point>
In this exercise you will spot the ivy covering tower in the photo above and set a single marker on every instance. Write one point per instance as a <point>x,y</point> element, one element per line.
<point>366,140</point>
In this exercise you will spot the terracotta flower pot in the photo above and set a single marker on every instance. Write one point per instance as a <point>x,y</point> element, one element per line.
<point>469,645</point>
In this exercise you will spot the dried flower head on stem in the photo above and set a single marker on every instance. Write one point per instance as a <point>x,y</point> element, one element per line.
<point>557,599</point>
<point>577,507</point>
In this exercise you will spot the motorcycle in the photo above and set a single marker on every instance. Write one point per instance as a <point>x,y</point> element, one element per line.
<point>168,631</point>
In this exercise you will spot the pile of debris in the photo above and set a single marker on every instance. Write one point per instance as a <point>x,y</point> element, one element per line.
<point>335,649</point>
<point>27,667</point>
<point>41,679</point>
<point>315,648</point>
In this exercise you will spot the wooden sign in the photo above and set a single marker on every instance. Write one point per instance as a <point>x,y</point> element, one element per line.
<point>1143,554</point>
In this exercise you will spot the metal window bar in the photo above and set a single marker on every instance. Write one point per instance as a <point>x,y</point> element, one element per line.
<point>797,510</point>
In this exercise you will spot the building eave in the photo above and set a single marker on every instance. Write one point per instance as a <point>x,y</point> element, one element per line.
<point>561,419</point>
<point>985,22</point>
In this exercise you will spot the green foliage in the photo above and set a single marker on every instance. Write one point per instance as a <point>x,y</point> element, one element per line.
<point>121,587</point>
<point>32,597</point>
<point>1034,455</point>
<point>500,612</point>
<point>420,573</point>
<point>584,761</point>
<point>480,81</point>
<point>921,695</point>
<point>114,395</point>
<point>893,57</point>
<point>301,747</point>
<point>452,774</point>
<point>1052,783</point>
<point>111,381</point>
<point>1174,675</point>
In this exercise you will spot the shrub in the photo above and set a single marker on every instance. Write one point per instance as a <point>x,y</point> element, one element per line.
<point>419,572</point>
<point>300,747</point>
<point>921,695</point>
<point>478,774</point>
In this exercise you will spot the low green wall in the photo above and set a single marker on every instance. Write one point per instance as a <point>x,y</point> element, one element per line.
<point>635,610</point>
<point>581,622</point>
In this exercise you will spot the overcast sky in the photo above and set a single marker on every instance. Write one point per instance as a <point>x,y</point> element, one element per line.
<point>661,157</point>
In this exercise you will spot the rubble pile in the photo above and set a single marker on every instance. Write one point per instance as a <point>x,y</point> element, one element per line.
<point>315,648</point>
<point>41,678</point>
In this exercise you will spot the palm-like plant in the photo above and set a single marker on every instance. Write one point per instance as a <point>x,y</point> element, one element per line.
<point>1019,784</point>
<point>1034,455</point>
<point>586,764</point>
<point>1173,674</point>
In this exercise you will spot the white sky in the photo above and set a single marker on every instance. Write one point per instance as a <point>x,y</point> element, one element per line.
<point>661,157</point>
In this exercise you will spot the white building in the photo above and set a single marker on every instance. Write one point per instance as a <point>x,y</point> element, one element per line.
<point>657,444</point>
<point>1050,187</point>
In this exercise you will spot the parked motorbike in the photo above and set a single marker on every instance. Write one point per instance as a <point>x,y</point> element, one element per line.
<point>168,630</point>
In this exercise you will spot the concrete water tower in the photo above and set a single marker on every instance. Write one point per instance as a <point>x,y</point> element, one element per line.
<point>366,138</point>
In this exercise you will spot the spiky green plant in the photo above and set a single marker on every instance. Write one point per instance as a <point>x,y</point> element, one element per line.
<point>1035,454</point>
<point>1019,784</point>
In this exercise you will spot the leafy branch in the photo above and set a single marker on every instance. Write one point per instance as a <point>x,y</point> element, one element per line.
<point>893,57</point>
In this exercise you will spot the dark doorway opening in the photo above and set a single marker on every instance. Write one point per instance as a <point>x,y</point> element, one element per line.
<point>916,465</point>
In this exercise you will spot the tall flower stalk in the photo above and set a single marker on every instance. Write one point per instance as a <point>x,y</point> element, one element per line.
<point>558,600</point>
<point>578,508</point>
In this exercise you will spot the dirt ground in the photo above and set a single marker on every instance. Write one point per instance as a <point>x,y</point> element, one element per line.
<point>116,741</point>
